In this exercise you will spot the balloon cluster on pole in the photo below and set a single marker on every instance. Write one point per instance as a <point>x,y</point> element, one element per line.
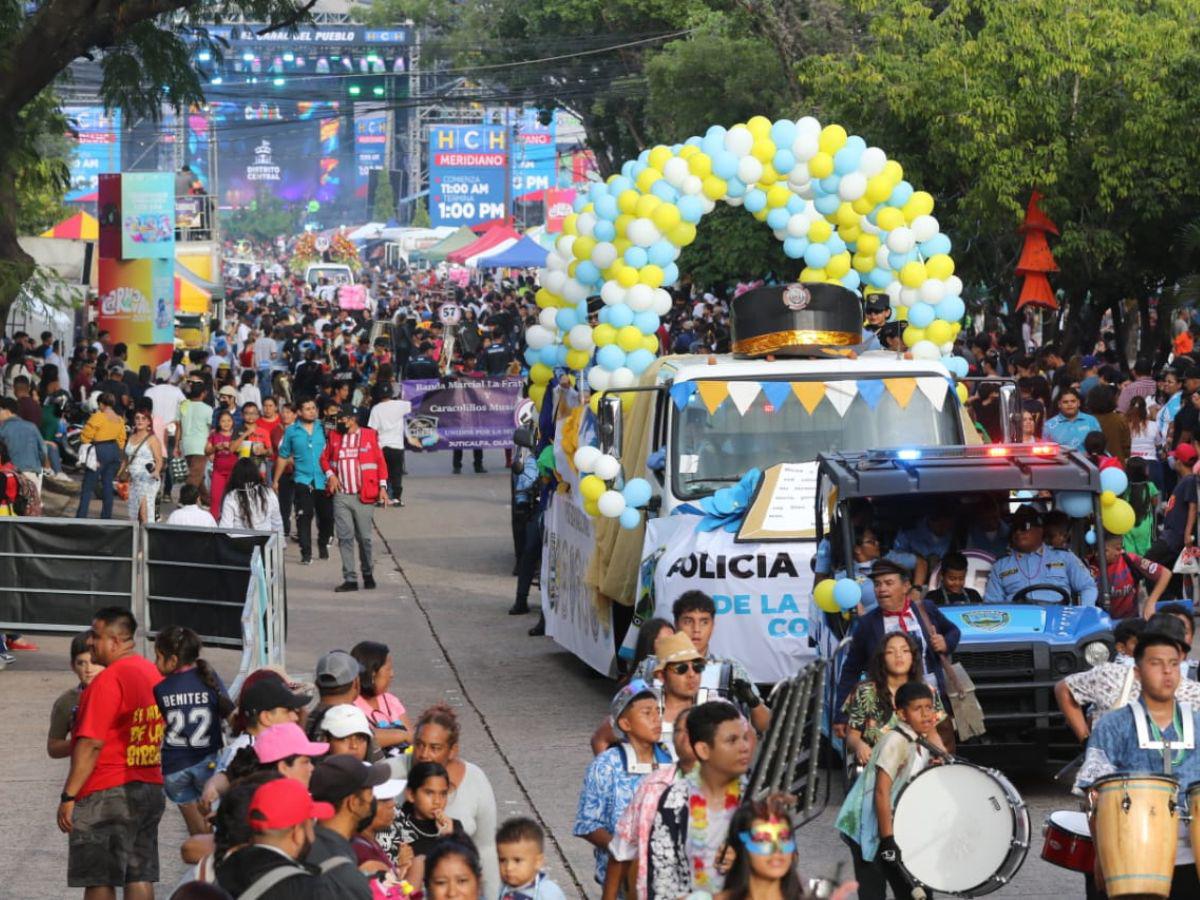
<point>599,471</point>
<point>834,202</point>
<point>1116,514</point>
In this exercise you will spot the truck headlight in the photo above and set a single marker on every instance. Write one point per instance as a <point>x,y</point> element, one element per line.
<point>1095,653</point>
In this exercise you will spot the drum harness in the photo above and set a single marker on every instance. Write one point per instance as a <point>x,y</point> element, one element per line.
<point>1151,738</point>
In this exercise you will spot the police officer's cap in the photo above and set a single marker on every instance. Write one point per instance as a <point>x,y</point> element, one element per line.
<point>883,567</point>
<point>876,303</point>
<point>1025,518</point>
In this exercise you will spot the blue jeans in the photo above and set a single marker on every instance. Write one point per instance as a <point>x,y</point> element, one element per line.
<point>55,455</point>
<point>108,454</point>
<point>186,785</point>
<point>264,382</point>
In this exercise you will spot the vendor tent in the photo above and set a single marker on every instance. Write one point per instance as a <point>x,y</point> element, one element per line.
<point>80,226</point>
<point>448,245</point>
<point>495,237</point>
<point>524,254</point>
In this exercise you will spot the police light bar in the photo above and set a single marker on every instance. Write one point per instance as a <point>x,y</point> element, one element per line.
<point>987,451</point>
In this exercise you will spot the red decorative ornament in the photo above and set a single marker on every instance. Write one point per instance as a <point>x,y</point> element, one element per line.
<point>1036,261</point>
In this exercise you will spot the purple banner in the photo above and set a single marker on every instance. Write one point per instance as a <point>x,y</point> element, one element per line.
<point>463,414</point>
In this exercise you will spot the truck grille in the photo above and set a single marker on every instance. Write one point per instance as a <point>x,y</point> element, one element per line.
<point>997,661</point>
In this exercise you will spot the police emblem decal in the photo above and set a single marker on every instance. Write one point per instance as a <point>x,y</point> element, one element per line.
<point>796,297</point>
<point>987,620</point>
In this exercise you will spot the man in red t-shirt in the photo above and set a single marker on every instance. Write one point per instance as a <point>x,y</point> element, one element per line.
<point>113,799</point>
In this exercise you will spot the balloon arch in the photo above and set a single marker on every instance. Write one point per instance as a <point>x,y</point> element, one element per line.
<point>835,202</point>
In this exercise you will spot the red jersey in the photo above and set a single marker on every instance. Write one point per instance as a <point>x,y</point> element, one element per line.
<point>119,709</point>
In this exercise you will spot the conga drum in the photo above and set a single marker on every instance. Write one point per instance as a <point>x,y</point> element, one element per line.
<point>1137,828</point>
<point>1193,796</point>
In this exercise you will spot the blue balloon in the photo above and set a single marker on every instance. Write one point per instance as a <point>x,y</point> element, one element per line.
<point>816,256</point>
<point>901,194</point>
<point>827,204</point>
<point>644,158</point>
<point>829,184</point>
<point>619,184</point>
<point>670,274</point>
<point>611,357</point>
<point>795,247</point>
<point>783,133</point>
<point>778,218</point>
<point>755,200</point>
<point>879,278</point>
<point>847,593</point>
<point>606,207</point>
<point>735,187</point>
<point>603,316</point>
<point>636,257</point>
<point>835,244</point>
<point>579,202</point>
<point>532,357</point>
<point>604,230</point>
<point>783,161</point>
<point>852,281</point>
<point>639,360</point>
<point>724,164</point>
<point>955,365</point>
<point>646,321</point>
<point>1113,479</point>
<point>693,141</point>
<point>566,319</point>
<point>597,189</point>
<point>897,260</point>
<point>661,253</point>
<point>795,205</point>
<point>1076,504</point>
<point>846,159</point>
<point>560,355</point>
<point>627,170</point>
<point>620,315</point>
<point>690,208</point>
<point>663,190</point>
<point>952,309</point>
<point>630,519</point>
<point>636,492</point>
<point>586,272</point>
<point>939,243</point>
<point>920,315</point>
<point>1090,537</point>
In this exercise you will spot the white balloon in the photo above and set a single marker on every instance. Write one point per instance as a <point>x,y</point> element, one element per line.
<point>547,317</point>
<point>798,225</point>
<point>586,223</point>
<point>555,262</point>
<point>709,205</point>
<point>622,378</point>
<point>662,302</point>
<point>893,291</point>
<point>733,201</point>
<point>580,337</point>
<point>574,291</point>
<point>932,291</point>
<point>642,232</point>
<point>869,227</point>
<point>604,255</point>
<point>739,140</point>
<point>852,186</point>
<point>611,504</point>
<point>925,227</point>
<point>900,240</point>
<point>586,456</point>
<point>564,245</point>
<point>554,282</point>
<point>808,126</point>
<point>612,293</point>
<point>691,185</point>
<point>640,297</point>
<point>799,179</point>
<point>749,170</point>
<point>675,171</point>
<point>954,286</point>
<point>926,350</point>
<point>908,296</point>
<point>543,272</point>
<point>872,161</point>
<point>538,337</point>
<point>881,256</point>
<point>805,147</point>
<point>606,466</point>
<point>597,379</point>
<point>947,348</point>
<point>780,234</point>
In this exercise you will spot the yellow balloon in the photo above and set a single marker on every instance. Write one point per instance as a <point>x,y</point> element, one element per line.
<point>627,201</point>
<point>759,126</point>
<point>1118,518</point>
<point>650,342</point>
<point>868,244</point>
<point>629,338</point>
<point>879,188</point>
<point>939,331</point>
<point>845,215</point>
<point>823,597</point>
<point>543,298</point>
<point>913,336</point>
<point>583,247</point>
<point>651,275</point>
<point>572,265</point>
<point>889,218</point>
<point>646,206</point>
<point>863,262</point>
<point>604,334</point>
<point>1107,498</point>
<point>627,276</point>
<point>893,171</point>
<point>590,506</point>
<point>665,217</point>
<point>913,274</point>
<point>960,391</point>
<point>699,164</point>
<point>940,266</point>
<point>821,165</point>
<point>569,224</point>
<point>659,156</point>
<point>714,187</point>
<point>832,138</point>
<point>813,276</point>
<point>541,374</point>
<point>622,225</point>
<point>863,205</point>
<point>769,176</point>
<point>901,313</point>
<point>838,265</point>
<point>592,486</point>
<point>687,151</point>
<point>778,195</point>
<point>761,215</point>
<point>849,233</point>
<point>536,393</point>
<point>627,399</point>
<point>919,204</point>
<point>646,180</point>
<point>763,150</point>
<point>578,359</point>
<point>622,243</point>
<point>588,207</point>
<point>594,406</point>
<point>682,234</point>
<point>819,231</point>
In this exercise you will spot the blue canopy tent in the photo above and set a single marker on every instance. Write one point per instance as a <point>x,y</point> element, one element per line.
<point>524,254</point>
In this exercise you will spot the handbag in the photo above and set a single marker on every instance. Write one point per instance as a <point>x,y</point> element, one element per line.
<point>124,476</point>
<point>964,705</point>
<point>1188,562</point>
<point>178,468</point>
<point>87,457</point>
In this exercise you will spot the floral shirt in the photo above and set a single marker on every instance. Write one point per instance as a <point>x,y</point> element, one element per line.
<point>631,840</point>
<point>866,713</point>
<point>680,860</point>
<point>1100,686</point>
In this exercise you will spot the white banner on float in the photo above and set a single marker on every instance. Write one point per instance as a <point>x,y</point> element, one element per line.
<point>762,592</point>
<point>572,616</point>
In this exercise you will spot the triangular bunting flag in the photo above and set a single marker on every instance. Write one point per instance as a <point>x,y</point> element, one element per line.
<point>776,392</point>
<point>742,393</point>
<point>933,387</point>
<point>810,393</point>
<point>871,389</point>
<point>841,394</point>
<point>682,392</point>
<point>713,393</point>
<point>901,388</point>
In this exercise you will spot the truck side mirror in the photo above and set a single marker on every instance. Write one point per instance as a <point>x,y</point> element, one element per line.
<point>609,428</point>
<point>523,437</point>
<point>1010,412</point>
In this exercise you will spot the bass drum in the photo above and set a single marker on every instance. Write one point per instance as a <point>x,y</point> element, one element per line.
<point>961,829</point>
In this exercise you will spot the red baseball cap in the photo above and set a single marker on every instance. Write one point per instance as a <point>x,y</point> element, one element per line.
<point>283,803</point>
<point>1185,453</point>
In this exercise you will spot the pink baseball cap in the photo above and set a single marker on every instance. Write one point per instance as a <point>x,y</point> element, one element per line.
<point>284,740</point>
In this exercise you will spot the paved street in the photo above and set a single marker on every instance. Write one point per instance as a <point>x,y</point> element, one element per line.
<point>444,585</point>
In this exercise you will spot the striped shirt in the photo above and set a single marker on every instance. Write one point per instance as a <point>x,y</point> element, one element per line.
<point>347,469</point>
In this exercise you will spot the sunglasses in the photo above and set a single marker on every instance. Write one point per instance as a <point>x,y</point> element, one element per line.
<point>764,842</point>
<point>681,668</point>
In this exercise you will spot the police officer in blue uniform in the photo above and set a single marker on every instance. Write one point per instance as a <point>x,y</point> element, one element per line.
<point>1032,562</point>
<point>877,308</point>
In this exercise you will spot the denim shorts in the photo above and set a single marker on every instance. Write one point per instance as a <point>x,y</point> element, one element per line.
<point>115,837</point>
<point>186,785</point>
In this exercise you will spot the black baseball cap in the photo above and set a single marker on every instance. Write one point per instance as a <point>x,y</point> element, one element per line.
<point>339,776</point>
<point>270,693</point>
<point>348,411</point>
<point>889,567</point>
<point>877,302</point>
<point>1164,628</point>
<point>1027,517</point>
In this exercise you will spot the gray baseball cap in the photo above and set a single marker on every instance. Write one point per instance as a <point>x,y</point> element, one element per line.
<point>337,668</point>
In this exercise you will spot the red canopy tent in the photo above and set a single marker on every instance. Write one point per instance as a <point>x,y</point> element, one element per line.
<point>495,235</point>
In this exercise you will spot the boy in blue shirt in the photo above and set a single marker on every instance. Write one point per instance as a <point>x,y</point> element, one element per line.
<point>520,844</point>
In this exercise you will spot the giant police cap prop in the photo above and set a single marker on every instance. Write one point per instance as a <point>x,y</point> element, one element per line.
<point>797,320</point>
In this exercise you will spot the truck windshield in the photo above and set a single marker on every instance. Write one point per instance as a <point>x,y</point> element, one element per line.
<point>716,450</point>
<point>332,275</point>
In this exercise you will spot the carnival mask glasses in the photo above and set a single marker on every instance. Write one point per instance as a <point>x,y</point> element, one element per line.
<point>681,668</point>
<point>768,837</point>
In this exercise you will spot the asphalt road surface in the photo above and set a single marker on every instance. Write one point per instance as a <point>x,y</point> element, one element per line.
<point>527,706</point>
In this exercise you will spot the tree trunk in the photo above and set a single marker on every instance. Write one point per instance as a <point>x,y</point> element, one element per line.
<point>16,266</point>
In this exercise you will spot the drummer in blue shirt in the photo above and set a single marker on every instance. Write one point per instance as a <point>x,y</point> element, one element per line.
<point>1032,562</point>
<point>1070,426</point>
